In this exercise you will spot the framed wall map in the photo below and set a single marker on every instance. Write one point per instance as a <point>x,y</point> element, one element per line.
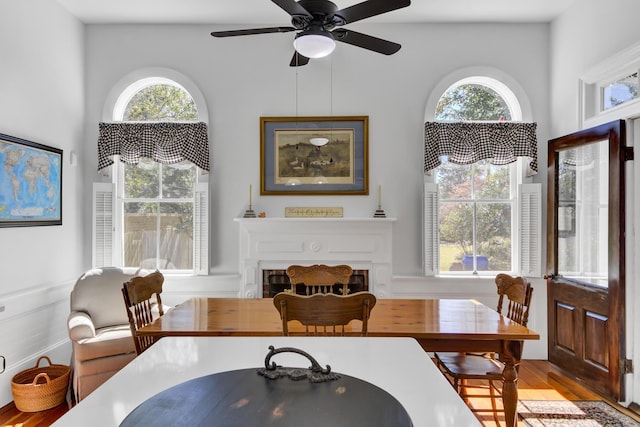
<point>30,183</point>
<point>293,163</point>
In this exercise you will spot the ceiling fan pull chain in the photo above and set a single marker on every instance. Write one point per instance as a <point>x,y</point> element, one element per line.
<point>331,99</point>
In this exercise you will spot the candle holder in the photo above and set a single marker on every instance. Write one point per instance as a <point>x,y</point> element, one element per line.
<point>379,213</point>
<point>249,213</point>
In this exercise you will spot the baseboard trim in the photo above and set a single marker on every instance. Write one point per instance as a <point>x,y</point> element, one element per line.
<point>635,408</point>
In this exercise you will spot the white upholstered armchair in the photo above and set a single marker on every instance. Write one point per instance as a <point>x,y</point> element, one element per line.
<point>99,328</point>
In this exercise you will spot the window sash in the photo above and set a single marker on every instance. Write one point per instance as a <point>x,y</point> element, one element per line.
<point>526,232</point>
<point>108,225</point>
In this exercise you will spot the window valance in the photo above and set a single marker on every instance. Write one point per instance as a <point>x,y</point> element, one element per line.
<point>162,142</point>
<point>466,143</point>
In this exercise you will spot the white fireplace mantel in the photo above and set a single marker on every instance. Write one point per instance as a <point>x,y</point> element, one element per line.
<point>276,243</point>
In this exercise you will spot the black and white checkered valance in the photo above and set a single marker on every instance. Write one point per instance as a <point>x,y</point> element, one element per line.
<point>467,143</point>
<point>162,142</point>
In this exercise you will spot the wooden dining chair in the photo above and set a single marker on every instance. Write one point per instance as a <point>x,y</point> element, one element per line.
<point>142,307</point>
<point>320,278</point>
<point>514,299</point>
<point>324,314</point>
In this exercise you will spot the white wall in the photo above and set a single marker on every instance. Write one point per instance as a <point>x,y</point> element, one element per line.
<point>41,100</point>
<point>588,33</point>
<point>244,78</point>
<point>585,36</point>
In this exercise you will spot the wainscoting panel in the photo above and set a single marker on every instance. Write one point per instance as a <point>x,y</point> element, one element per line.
<point>33,324</point>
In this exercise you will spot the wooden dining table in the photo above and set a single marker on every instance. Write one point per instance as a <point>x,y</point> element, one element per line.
<point>437,324</point>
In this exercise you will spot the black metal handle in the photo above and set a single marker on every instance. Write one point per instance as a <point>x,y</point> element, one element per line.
<point>315,373</point>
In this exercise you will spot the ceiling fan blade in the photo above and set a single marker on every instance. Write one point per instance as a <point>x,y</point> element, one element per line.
<point>292,7</point>
<point>369,8</point>
<point>298,60</point>
<point>251,31</point>
<point>365,41</point>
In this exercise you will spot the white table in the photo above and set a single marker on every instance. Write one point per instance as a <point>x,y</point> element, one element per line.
<point>397,365</point>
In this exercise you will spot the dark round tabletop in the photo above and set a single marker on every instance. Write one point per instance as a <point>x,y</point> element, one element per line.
<point>244,398</point>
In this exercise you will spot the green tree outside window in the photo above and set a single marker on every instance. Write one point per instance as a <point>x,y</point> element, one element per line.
<point>158,199</point>
<point>475,200</point>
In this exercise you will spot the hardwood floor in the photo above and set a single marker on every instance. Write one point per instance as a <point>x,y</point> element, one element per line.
<point>539,380</point>
<point>11,417</point>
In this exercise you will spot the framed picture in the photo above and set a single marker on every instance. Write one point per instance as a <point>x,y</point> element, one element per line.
<point>314,155</point>
<point>30,183</point>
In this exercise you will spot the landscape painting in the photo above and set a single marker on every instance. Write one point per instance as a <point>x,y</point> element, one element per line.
<point>314,155</point>
<point>299,161</point>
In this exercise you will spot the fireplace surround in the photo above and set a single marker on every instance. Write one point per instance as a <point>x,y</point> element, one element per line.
<point>365,244</point>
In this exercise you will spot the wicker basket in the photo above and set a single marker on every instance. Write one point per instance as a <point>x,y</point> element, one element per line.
<point>40,388</point>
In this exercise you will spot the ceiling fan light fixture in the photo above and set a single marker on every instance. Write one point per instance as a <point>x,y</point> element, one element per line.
<point>314,44</point>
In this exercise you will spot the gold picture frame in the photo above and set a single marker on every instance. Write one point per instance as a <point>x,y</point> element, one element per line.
<point>291,165</point>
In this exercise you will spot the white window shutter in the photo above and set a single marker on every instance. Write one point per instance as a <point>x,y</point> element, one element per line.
<point>529,226</point>
<point>103,232</point>
<point>201,229</point>
<point>430,229</point>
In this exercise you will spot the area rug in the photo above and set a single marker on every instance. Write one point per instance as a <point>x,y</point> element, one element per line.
<point>564,413</point>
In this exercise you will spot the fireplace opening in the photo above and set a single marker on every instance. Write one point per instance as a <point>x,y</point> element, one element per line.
<point>275,281</point>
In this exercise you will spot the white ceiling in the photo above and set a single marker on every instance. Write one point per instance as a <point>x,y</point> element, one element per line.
<point>265,12</point>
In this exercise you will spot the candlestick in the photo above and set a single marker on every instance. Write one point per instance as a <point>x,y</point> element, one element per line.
<point>379,212</point>
<point>249,213</point>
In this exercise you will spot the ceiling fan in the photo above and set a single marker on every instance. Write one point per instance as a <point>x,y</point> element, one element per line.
<point>318,22</point>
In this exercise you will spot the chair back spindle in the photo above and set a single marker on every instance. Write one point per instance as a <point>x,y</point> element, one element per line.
<point>324,314</point>
<point>518,292</point>
<point>138,294</point>
<point>319,278</point>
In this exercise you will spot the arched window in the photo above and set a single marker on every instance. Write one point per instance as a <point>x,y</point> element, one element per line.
<point>477,209</point>
<point>161,208</point>
<point>155,99</point>
<point>478,99</point>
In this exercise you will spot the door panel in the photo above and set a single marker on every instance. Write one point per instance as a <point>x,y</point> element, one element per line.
<point>595,335</point>
<point>579,337</point>
<point>564,336</point>
<point>585,255</point>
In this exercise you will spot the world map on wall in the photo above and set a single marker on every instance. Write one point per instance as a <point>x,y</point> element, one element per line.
<point>30,181</point>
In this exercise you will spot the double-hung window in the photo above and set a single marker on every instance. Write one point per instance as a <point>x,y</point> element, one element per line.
<point>476,216</point>
<point>157,205</point>
<point>159,212</point>
<point>479,219</point>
